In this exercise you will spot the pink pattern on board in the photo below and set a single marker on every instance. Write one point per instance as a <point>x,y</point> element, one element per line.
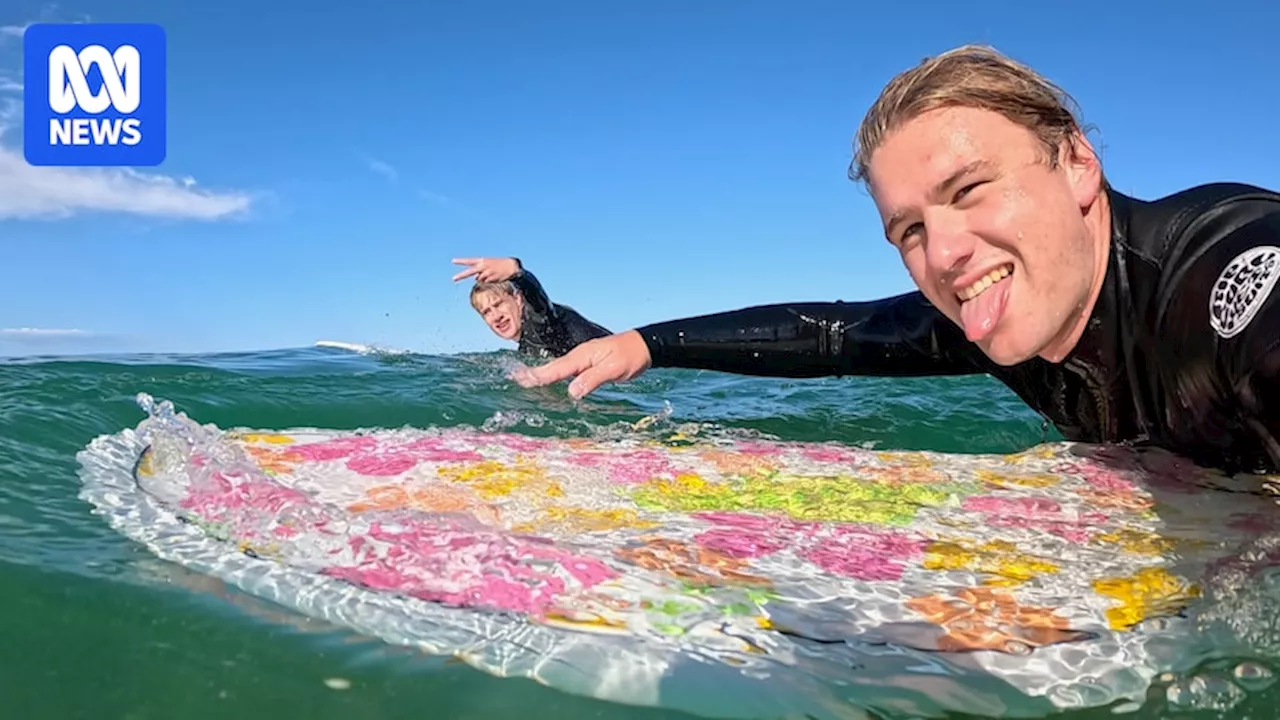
<point>864,554</point>
<point>1020,506</point>
<point>628,467</point>
<point>469,569</point>
<point>437,560</point>
<point>286,531</point>
<point>400,459</point>
<point>367,456</point>
<point>1034,513</point>
<point>1077,531</point>
<point>514,441</point>
<point>750,535</point>
<point>740,543</point>
<point>835,454</point>
<point>757,522</point>
<point>335,449</point>
<point>759,447</point>
<point>222,493</point>
<point>1098,476</point>
<point>382,465</point>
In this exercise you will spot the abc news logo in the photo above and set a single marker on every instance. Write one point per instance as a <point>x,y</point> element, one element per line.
<point>94,94</point>
<point>69,89</point>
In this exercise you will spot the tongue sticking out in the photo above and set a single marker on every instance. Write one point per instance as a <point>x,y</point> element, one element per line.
<point>980,315</point>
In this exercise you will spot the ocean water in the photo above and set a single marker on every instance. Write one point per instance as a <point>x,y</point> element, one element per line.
<point>95,626</point>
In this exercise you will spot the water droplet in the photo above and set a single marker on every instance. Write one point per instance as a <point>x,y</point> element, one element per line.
<point>1269,581</point>
<point>1253,676</point>
<point>1204,692</point>
<point>1017,647</point>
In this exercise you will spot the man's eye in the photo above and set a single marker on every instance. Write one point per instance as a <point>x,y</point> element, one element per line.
<point>964,191</point>
<point>912,230</point>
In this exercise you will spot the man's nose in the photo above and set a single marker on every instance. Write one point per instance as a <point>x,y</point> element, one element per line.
<point>948,244</point>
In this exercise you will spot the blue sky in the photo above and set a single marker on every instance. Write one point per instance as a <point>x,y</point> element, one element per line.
<point>647,160</point>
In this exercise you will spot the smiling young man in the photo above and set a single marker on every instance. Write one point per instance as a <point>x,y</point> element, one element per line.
<point>513,304</point>
<point>1119,320</point>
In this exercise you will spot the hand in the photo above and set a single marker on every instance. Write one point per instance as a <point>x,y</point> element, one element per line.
<point>487,269</point>
<point>616,358</point>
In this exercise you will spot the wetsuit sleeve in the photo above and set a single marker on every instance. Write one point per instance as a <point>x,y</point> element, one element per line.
<point>898,336</point>
<point>1221,317</point>
<point>535,297</point>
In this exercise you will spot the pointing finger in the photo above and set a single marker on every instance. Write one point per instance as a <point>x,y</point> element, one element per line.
<point>466,261</point>
<point>465,273</point>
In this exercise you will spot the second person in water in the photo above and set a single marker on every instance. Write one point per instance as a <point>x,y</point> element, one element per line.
<point>515,306</point>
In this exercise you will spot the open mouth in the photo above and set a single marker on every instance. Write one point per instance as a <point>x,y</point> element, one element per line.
<point>982,285</point>
<point>983,303</point>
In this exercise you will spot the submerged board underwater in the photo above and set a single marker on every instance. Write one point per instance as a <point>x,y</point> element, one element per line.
<point>725,577</point>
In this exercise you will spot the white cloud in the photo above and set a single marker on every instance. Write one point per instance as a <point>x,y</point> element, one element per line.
<point>29,192</point>
<point>382,168</point>
<point>43,332</point>
<point>435,197</point>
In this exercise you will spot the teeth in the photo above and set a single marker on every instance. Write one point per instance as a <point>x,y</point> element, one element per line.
<point>987,281</point>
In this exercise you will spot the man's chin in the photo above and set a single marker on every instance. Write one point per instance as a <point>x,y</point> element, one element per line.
<point>1004,353</point>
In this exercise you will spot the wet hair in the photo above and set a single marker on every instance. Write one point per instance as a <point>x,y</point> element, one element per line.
<point>971,76</point>
<point>506,287</point>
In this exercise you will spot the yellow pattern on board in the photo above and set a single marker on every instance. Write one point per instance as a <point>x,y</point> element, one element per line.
<point>268,438</point>
<point>568,520</point>
<point>997,557</point>
<point>493,479</point>
<point>1151,592</point>
<point>838,498</point>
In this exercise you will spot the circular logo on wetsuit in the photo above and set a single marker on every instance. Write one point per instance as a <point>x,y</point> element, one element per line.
<point>1242,288</point>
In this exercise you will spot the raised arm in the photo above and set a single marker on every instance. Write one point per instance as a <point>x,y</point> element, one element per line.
<point>900,336</point>
<point>535,296</point>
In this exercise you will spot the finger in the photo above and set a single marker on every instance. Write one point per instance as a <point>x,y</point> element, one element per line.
<point>466,261</point>
<point>465,273</point>
<point>520,374</point>
<point>559,369</point>
<point>591,379</point>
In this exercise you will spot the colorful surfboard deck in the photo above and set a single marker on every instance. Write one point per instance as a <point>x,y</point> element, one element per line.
<point>790,577</point>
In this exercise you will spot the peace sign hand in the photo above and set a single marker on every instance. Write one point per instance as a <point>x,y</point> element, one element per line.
<point>487,269</point>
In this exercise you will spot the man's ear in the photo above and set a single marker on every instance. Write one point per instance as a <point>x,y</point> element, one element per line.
<point>1083,169</point>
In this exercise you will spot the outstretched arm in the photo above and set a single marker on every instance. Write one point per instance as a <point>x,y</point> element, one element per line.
<point>898,336</point>
<point>904,335</point>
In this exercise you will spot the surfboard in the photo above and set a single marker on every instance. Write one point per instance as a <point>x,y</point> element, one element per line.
<point>718,574</point>
<point>360,348</point>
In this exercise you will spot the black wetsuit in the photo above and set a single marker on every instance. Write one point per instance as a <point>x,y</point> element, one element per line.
<point>1174,354</point>
<point>548,329</point>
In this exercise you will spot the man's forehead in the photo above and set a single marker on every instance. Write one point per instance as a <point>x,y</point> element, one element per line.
<point>489,298</point>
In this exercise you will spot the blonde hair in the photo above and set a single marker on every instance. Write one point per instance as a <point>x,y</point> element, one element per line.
<point>506,287</point>
<point>972,76</point>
